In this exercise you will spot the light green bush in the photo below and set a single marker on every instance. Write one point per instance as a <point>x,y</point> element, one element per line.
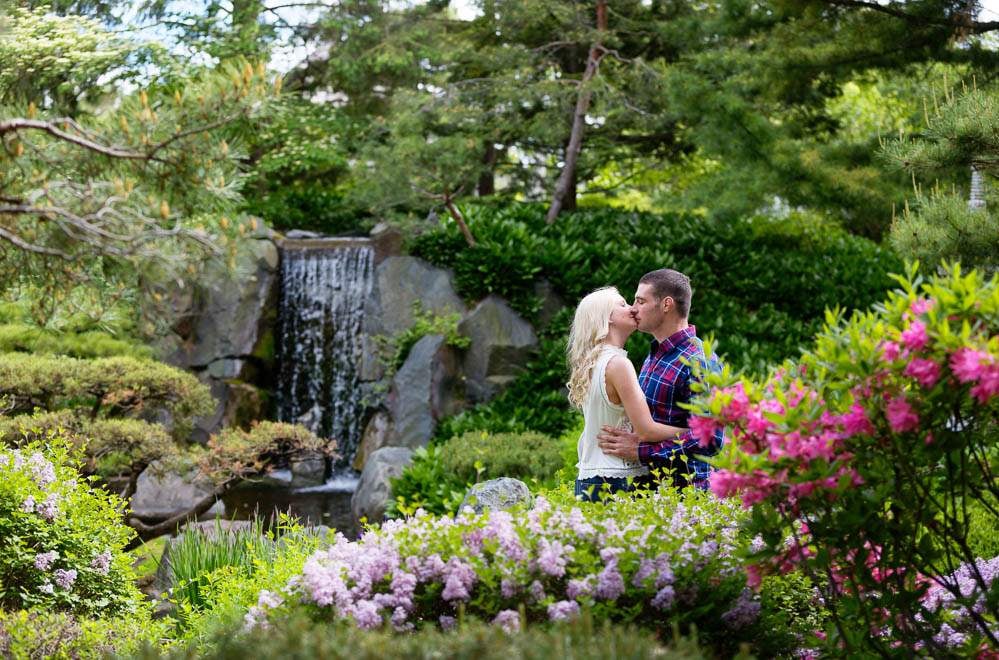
<point>36,635</point>
<point>477,455</point>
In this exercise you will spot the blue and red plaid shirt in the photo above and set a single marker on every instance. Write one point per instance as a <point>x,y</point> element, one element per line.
<point>665,378</point>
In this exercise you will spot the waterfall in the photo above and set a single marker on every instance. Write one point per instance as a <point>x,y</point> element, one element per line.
<point>324,286</point>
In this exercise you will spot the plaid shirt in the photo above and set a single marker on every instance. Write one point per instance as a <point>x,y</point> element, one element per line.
<point>665,379</point>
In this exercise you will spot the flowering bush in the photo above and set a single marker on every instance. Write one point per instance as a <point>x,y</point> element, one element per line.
<point>653,560</point>
<point>62,541</point>
<point>864,457</point>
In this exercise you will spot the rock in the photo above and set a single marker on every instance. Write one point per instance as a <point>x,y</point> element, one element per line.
<point>502,493</point>
<point>162,494</point>
<point>231,307</point>
<point>374,490</point>
<point>308,469</point>
<point>398,282</point>
<point>236,404</point>
<point>551,303</point>
<point>502,342</point>
<point>387,241</point>
<point>377,434</point>
<point>425,389</point>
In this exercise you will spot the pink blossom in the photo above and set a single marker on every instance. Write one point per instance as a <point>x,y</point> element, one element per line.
<point>988,384</point>
<point>552,557</point>
<point>967,363</point>
<point>915,337</point>
<point>739,403</point>
<point>921,305</point>
<point>754,576</point>
<point>901,416</point>
<point>757,424</point>
<point>890,351</point>
<point>926,372</point>
<point>856,422</point>
<point>703,429</point>
<point>459,578</point>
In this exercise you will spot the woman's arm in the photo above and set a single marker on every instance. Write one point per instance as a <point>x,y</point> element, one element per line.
<point>623,381</point>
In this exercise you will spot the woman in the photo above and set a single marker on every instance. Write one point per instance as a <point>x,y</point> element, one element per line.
<point>604,385</point>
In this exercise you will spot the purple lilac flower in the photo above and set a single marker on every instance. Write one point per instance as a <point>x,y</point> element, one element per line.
<point>509,588</point>
<point>579,587</point>
<point>45,560</point>
<point>4,460</point>
<point>646,569</point>
<point>255,617</point>
<point>447,622</point>
<point>102,563</point>
<point>48,509</point>
<point>269,599</point>
<point>551,557</point>
<point>563,610</point>
<point>537,591</point>
<point>663,600</point>
<point>459,578</point>
<point>400,620</point>
<point>47,588</point>
<point>41,470</point>
<point>366,615</point>
<point>744,613</point>
<point>65,578</point>
<point>28,506</point>
<point>508,620</point>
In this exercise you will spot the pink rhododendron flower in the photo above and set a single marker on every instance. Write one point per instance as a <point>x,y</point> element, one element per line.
<point>988,384</point>
<point>921,305</point>
<point>926,372</point>
<point>901,416</point>
<point>856,421</point>
<point>967,363</point>
<point>915,337</point>
<point>703,429</point>
<point>739,404</point>
<point>890,351</point>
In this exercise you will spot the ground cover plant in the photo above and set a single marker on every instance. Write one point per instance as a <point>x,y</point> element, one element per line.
<point>868,462</point>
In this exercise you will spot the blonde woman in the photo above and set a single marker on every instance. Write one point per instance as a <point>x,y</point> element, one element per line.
<point>604,386</point>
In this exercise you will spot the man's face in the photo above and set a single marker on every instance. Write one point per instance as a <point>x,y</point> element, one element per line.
<point>648,309</point>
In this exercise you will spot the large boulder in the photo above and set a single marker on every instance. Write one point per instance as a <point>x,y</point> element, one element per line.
<point>426,388</point>
<point>236,404</point>
<point>160,494</point>
<point>377,434</point>
<point>502,342</point>
<point>502,493</point>
<point>399,281</point>
<point>374,490</point>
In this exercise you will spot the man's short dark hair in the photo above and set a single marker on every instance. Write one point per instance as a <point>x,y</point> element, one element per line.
<point>667,282</point>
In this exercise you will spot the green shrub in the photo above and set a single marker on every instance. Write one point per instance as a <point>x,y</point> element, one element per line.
<point>62,541</point>
<point>395,350</point>
<point>478,455</point>
<point>24,338</point>
<point>57,635</point>
<point>300,639</point>
<point>425,484</point>
<point>790,613</point>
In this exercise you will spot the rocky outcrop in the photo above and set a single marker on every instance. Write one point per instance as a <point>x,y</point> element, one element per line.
<point>402,281</point>
<point>502,342</point>
<point>374,490</point>
<point>502,493</point>
<point>161,494</point>
<point>377,434</point>
<point>425,389</point>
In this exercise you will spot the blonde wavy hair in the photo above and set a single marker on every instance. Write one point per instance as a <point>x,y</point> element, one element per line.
<point>590,326</point>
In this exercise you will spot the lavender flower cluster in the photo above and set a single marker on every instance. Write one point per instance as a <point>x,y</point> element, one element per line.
<point>663,551</point>
<point>959,623</point>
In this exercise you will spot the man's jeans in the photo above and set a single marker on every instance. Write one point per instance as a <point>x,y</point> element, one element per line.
<point>592,489</point>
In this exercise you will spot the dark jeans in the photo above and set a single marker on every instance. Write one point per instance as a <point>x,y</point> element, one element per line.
<point>592,489</point>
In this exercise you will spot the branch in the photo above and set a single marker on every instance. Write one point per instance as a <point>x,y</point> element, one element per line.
<point>976,27</point>
<point>14,239</point>
<point>14,125</point>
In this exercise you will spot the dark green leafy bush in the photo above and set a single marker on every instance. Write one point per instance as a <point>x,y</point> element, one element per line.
<point>425,484</point>
<point>25,338</point>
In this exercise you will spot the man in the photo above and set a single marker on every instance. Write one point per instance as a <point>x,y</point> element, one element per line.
<point>662,305</point>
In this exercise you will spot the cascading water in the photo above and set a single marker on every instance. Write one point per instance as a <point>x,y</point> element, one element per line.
<point>324,286</point>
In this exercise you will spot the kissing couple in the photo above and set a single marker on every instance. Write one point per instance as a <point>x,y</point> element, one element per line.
<point>634,422</point>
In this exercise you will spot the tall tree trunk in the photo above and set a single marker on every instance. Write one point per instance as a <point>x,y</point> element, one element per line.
<point>487,180</point>
<point>567,179</point>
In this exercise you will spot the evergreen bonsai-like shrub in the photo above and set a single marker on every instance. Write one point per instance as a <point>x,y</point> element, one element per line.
<point>63,541</point>
<point>868,462</point>
<point>477,455</point>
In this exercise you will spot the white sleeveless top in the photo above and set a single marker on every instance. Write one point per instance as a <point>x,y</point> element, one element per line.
<point>599,411</point>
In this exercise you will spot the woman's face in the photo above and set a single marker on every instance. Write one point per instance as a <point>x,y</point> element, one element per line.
<point>622,317</point>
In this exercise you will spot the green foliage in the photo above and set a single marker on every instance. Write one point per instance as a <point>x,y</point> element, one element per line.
<point>393,351</point>
<point>871,460</point>
<point>198,553</point>
<point>300,639</point>
<point>24,338</point>
<point>233,454</point>
<point>791,611</point>
<point>425,484</point>
<point>63,541</point>
<point>940,227</point>
<point>33,635</point>
<point>476,456</point>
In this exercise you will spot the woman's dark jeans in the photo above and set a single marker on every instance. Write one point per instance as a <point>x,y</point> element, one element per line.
<point>592,489</point>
